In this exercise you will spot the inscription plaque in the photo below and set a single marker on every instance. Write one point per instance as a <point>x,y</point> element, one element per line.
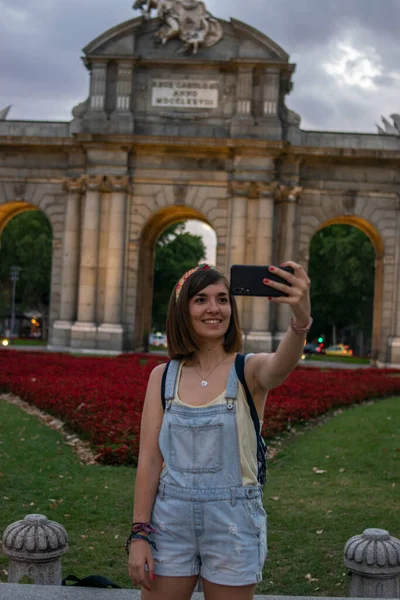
<point>185,93</point>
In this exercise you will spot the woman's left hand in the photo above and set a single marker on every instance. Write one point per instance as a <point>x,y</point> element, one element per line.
<point>298,294</point>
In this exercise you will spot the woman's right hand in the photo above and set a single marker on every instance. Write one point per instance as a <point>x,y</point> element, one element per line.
<point>140,555</point>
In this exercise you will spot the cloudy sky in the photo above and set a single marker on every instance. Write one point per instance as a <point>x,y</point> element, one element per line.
<point>347,54</point>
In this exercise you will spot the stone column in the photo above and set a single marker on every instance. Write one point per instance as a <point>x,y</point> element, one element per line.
<point>34,548</point>
<point>96,117</point>
<point>373,559</point>
<point>244,102</point>
<point>271,92</point>
<point>83,333</point>
<point>394,340</point>
<point>237,236</point>
<point>122,117</point>
<point>110,332</point>
<point>287,198</point>
<point>270,123</point>
<point>70,264</point>
<point>259,338</point>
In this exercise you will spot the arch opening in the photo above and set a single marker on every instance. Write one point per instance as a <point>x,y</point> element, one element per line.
<point>171,227</point>
<point>26,246</point>
<point>345,267</point>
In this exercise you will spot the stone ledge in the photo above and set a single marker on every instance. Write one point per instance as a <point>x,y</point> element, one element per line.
<point>10,591</point>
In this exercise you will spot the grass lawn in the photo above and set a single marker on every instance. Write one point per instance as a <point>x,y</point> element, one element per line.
<point>339,359</point>
<point>310,515</point>
<point>28,342</point>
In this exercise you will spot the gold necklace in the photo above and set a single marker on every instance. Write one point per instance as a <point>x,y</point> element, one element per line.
<point>204,382</point>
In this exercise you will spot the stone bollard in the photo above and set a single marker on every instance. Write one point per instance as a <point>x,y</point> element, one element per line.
<point>34,547</point>
<point>374,561</point>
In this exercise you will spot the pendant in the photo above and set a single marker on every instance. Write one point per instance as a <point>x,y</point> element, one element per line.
<point>204,383</point>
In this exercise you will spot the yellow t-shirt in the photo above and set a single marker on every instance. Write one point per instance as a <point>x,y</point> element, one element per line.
<point>246,432</point>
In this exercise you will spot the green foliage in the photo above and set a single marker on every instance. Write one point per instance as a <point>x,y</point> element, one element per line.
<point>342,271</point>
<point>176,253</point>
<point>27,242</point>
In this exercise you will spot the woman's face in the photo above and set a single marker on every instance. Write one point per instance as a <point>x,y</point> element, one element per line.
<point>210,311</point>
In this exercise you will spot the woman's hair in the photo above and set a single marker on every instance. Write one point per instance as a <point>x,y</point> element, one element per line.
<point>182,339</point>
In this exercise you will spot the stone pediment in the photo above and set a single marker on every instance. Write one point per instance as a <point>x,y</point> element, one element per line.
<point>136,38</point>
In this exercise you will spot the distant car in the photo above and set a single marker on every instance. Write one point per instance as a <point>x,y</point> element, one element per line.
<point>339,350</point>
<point>311,348</point>
<point>158,339</point>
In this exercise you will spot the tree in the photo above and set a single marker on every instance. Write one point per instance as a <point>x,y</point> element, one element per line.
<point>342,271</point>
<point>176,252</point>
<point>27,242</point>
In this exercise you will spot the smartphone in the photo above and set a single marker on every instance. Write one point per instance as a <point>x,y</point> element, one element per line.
<point>247,280</point>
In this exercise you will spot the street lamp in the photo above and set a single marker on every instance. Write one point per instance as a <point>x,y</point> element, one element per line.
<point>14,278</point>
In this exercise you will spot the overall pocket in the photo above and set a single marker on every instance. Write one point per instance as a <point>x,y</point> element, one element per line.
<point>196,449</point>
<point>256,515</point>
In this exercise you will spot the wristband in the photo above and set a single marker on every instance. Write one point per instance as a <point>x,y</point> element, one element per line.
<point>137,536</point>
<point>300,330</point>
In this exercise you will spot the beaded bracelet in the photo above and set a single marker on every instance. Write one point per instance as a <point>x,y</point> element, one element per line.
<point>300,330</point>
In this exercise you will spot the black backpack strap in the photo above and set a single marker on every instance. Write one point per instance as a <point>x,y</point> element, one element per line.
<point>239,365</point>
<point>163,382</point>
<point>261,445</point>
<point>169,381</point>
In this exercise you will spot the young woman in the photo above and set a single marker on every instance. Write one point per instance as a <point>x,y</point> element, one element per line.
<point>198,494</point>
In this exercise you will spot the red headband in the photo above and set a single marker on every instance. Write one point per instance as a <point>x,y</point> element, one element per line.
<point>179,285</point>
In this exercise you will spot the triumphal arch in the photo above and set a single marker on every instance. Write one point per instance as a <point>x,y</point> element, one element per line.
<point>186,118</point>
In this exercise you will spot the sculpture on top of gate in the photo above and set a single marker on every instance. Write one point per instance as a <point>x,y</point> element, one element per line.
<point>187,20</point>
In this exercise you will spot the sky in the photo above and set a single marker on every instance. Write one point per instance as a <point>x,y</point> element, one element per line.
<point>347,54</point>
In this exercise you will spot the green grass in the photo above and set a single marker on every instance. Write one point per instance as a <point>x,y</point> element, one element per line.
<point>341,359</point>
<point>28,342</point>
<point>359,450</point>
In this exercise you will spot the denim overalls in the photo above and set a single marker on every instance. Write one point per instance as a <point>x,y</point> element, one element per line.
<point>208,523</point>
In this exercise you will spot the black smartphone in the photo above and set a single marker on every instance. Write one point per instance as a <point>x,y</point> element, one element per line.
<point>247,280</point>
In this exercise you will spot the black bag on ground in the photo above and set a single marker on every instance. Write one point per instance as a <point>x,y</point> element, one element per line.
<point>96,581</point>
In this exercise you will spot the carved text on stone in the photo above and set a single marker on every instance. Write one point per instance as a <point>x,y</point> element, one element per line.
<point>185,93</point>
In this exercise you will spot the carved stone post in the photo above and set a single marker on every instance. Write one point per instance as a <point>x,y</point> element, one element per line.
<point>70,265</point>
<point>110,331</point>
<point>373,559</point>
<point>83,332</point>
<point>34,548</point>
<point>122,117</point>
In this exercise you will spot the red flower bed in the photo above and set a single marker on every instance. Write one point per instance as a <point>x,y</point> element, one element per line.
<point>102,398</point>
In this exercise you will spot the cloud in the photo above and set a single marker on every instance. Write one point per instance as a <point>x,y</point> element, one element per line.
<point>347,54</point>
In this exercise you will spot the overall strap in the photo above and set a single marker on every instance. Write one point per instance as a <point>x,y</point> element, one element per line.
<point>232,384</point>
<point>169,382</point>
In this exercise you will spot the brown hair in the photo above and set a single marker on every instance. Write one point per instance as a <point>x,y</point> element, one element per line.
<point>182,339</point>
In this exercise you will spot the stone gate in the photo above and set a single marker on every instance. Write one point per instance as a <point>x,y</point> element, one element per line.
<point>186,119</point>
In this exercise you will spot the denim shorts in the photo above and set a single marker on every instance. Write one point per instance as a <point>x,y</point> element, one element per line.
<point>223,541</point>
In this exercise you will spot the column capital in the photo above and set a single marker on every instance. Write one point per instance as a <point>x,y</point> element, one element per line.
<point>251,189</point>
<point>75,185</point>
<point>285,193</point>
<point>107,184</point>
<point>116,183</point>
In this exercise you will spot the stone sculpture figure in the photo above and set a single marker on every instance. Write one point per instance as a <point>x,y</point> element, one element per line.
<point>187,20</point>
<point>4,112</point>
